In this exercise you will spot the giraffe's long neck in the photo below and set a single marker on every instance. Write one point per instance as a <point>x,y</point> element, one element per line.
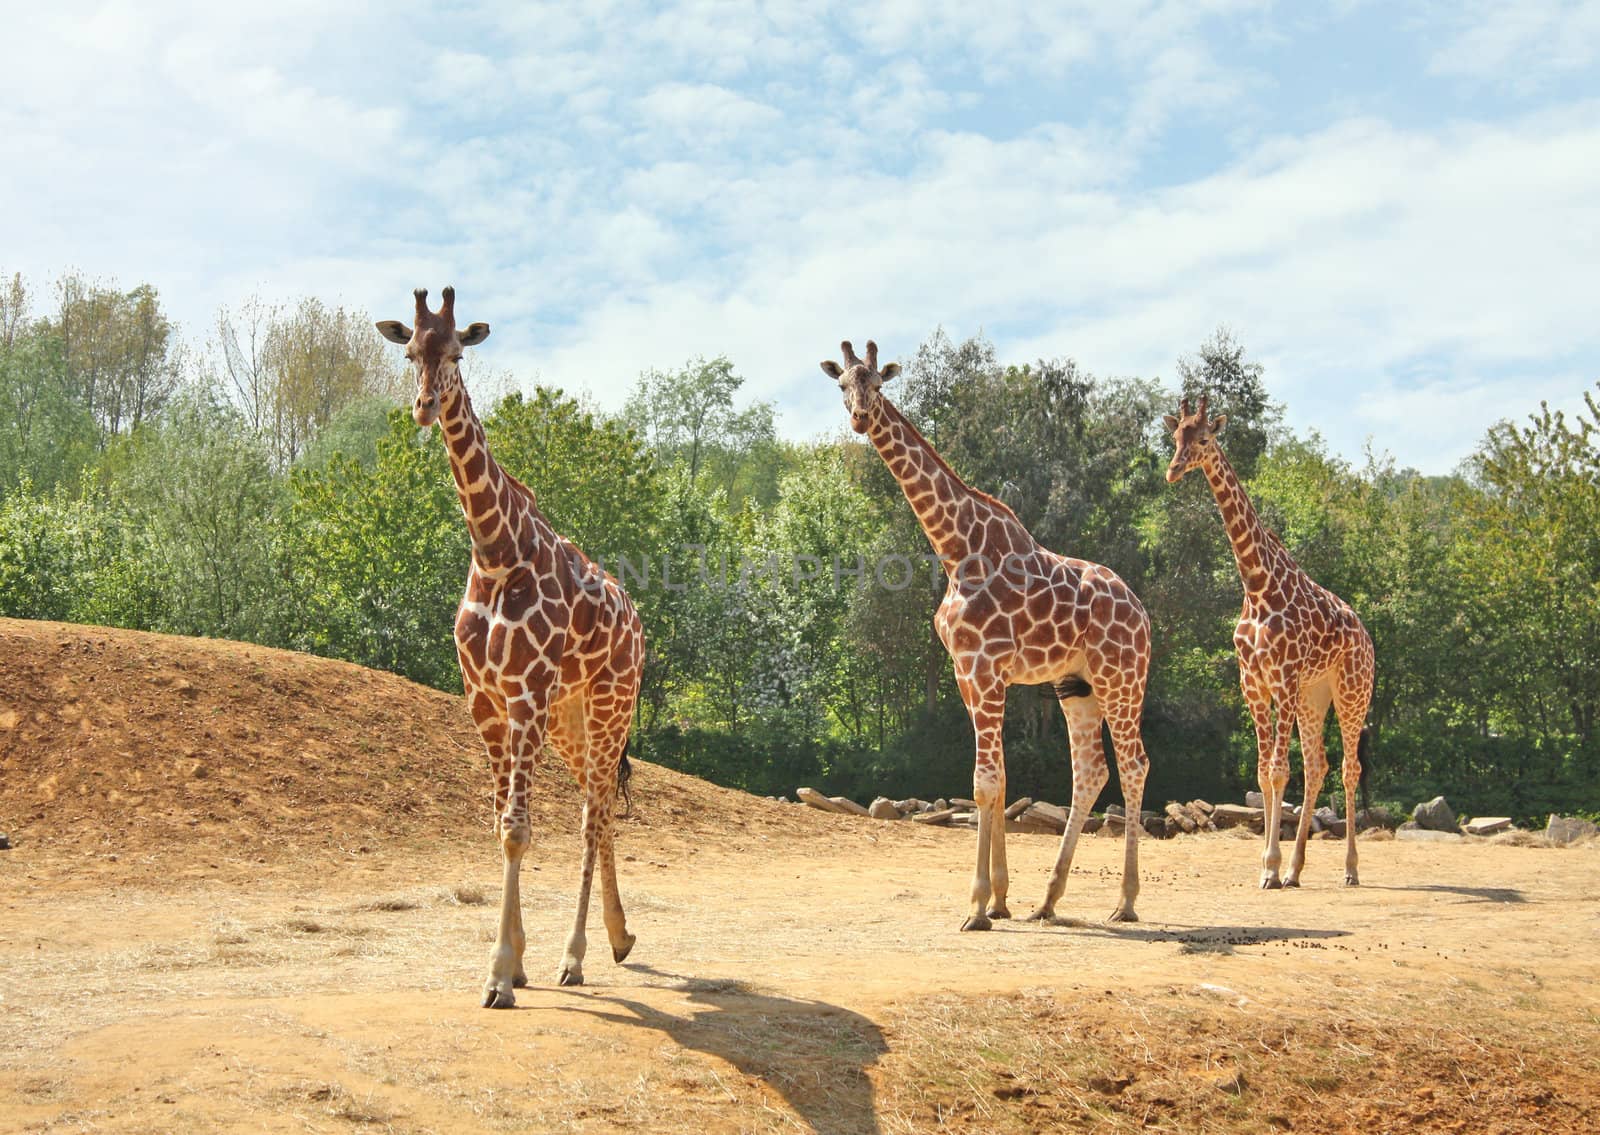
<point>932,489</point>
<point>1257,553</point>
<point>499,519</point>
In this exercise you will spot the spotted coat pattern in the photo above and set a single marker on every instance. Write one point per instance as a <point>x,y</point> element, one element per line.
<point>1300,647</point>
<point>1016,612</point>
<point>550,648</point>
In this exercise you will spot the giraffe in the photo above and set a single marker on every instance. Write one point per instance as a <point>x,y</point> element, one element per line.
<point>550,648</point>
<point>1300,648</point>
<point>1015,612</point>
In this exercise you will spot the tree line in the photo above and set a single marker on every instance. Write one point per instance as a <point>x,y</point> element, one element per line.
<point>268,485</point>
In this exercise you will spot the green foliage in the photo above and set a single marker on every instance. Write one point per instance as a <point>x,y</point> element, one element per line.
<point>276,496</point>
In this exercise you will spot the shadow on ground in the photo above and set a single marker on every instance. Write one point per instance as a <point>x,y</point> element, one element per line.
<point>813,1054</point>
<point>1469,894</point>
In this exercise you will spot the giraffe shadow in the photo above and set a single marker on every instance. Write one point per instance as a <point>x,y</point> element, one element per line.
<point>813,1054</point>
<point>1468,894</point>
<point>1207,939</point>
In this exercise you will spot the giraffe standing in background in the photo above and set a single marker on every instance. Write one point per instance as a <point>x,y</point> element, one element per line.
<point>1017,612</point>
<point>1300,648</point>
<point>550,649</point>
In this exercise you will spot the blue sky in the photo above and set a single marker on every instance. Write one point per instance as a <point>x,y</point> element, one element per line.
<point>1396,208</point>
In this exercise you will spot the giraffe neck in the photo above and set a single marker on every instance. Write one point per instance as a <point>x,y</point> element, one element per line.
<point>1256,551</point>
<point>499,510</point>
<point>931,487</point>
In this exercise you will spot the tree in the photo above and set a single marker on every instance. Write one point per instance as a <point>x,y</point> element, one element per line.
<point>118,350</point>
<point>687,416</point>
<point>47,434</point>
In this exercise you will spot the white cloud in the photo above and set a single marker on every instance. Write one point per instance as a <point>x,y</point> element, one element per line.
<point>1519,44</point>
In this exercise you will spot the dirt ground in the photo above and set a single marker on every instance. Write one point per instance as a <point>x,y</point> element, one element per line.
<point>294,938</point>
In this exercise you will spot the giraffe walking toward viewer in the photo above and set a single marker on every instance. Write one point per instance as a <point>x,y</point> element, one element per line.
<point>1017,612</point>
<point>1300,648</point>
<point>550,649</point>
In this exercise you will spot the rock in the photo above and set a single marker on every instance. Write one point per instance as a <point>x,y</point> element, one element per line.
<point>848,806</point>
<point>1376,835</point>
<point>1156,825</point>
<point>1427,835</point>
<point>1333,827</point>
<point>970,819</point>
<point>883,809</point>
<point>1236,815</point>
<point>1563,830</point>
<point>911,804</point>
<point>959,802</point>
<point>1435,815</point>
<point>784,800</point>
<point>1092,825</point>
<point>5,842</point>
<point>1179,815</point>
<point>1409,826</point>
<point>1116,810</point>
<point>1374,818</point>
<point>1200,806</point>
<point>1254,800</point>
<point>938,816</point>
<point>939,805</point>
<point>1487,825</point>
<point>1043,813</point>
<point>1018,806</point>
<point>817,800</point>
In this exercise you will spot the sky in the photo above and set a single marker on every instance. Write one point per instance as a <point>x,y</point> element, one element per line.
<point>1395,208</point>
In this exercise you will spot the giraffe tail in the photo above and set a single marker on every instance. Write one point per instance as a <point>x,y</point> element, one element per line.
<point>624,775</point>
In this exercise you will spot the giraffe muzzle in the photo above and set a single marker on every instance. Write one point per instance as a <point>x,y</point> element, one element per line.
<point>425,411</point>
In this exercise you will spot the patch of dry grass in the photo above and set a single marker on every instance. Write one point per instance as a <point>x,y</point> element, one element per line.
<point>1125,1062</point>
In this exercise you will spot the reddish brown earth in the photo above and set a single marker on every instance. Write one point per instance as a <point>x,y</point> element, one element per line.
<point>255,891</point>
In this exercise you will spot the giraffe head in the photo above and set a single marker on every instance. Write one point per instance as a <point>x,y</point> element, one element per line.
<point>1192,436</point>
<point>434,348</point>
<point>860,382</point>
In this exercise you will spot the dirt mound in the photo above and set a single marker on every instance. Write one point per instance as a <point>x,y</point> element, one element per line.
<point>114,740</point>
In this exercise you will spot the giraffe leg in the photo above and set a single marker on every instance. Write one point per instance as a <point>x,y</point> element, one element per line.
<point>596,820</point>
<point>1353,692</point>
<point>1313,717</point>
<point>1132,767</point>
<point>999,876</point>
<point>522,744</point>
<point>616,920</point>
<point>986,704</point>
<point>1273,776</point>
<point>1089,776</point>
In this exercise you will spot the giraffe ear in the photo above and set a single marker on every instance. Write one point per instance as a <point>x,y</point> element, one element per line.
<point>474,334</point>
<point>832,369</point>
<point>394,331</point>
<point>1171,421</point>
<point>890,370</point>
<point>1218,422</point>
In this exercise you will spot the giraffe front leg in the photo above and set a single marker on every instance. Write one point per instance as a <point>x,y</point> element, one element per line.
<point>986,706</point>
<point>524,735</point>
<point>999,875</point>
<point>1089,776</point>
<point>1273,776</point>
<point>1313,715</point>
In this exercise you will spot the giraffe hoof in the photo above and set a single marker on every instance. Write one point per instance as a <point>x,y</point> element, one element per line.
<point>520,981</point>
<point>619,953</point>
<point>999,911</point>
<point>1350,879</point>
<point>1043,914</point>
<point>1123,914</point>
<point>495,997</point>
<point>977,922</point>
<point>1292,883</point>
<point>1270,883</point>
<point>570,975</point>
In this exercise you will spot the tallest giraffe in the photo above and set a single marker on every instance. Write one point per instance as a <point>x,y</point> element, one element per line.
<point>1300,648</point>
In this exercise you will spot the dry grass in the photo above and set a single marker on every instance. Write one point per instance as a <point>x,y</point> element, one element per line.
<point>1122,1062</point>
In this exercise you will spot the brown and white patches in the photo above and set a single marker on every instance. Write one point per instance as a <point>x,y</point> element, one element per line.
<point>548,660</point>
<point>1300,649</point>
<point>1016,612</point>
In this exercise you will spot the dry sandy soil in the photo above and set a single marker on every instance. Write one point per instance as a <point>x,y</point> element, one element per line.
<point>253,891</point>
